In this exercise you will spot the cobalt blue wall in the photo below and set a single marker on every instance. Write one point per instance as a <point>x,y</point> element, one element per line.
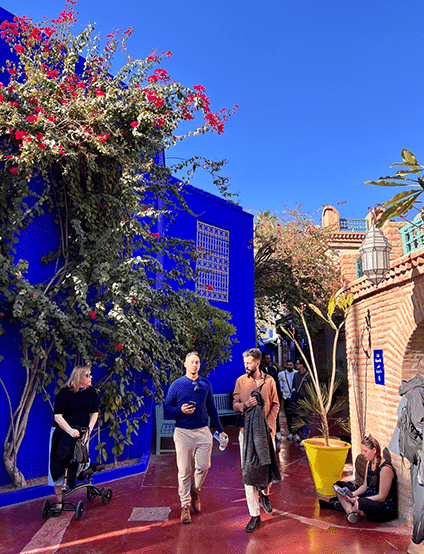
<point>42,236</point>
<point>210,209</point>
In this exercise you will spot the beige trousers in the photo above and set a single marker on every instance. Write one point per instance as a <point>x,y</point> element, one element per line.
<point>194,448</point>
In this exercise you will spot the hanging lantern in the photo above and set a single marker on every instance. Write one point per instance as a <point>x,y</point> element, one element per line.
<point>375,255</point>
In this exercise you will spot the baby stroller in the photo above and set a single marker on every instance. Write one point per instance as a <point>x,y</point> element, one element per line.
<point>80,469</point>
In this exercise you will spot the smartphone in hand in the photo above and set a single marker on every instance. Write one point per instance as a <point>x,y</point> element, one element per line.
<point>344,491</point>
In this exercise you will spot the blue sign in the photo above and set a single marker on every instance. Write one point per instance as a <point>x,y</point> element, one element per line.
<point>378,367</point>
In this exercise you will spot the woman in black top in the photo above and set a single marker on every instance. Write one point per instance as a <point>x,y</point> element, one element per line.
<point>376,498</point>
<point>75,407</point>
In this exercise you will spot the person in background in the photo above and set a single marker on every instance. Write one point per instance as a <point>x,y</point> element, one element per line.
<point>255,380</point>
<point>285,378</point>
<point>299,391</point>
<point>190,401</point>
<point>268,367</point>
<point>75,408</point>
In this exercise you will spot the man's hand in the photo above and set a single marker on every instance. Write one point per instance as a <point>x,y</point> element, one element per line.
<point>251,402</point>
<point>188,409</point>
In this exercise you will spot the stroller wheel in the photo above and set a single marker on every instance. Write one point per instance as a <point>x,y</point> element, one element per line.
<point>79,510</point>
<point>106,496</point>
<point>45,509</point>
<point>91,493</point>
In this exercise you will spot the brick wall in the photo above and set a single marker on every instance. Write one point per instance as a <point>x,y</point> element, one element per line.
<point>390,317</point>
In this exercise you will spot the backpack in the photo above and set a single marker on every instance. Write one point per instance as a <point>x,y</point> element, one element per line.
<point>410,438</point>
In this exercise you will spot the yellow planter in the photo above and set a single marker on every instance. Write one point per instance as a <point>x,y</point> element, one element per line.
<point>326,462</point>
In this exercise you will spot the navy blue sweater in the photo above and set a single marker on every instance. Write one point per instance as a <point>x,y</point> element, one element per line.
<point>182,391</point>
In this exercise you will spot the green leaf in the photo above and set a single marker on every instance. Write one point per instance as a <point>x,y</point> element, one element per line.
<point>331,306</point>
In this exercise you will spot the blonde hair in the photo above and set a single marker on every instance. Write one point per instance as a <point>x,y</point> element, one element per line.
<point>254,352</point>
<point>371,443</point>
<point>75,379</point>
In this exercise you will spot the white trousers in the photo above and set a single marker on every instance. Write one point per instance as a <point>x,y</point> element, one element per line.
<point>194,448</point>
<point>252,495</point>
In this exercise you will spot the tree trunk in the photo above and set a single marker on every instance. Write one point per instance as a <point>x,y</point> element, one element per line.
<point>17,478</point>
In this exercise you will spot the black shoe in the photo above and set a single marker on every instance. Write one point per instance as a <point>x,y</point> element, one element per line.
<point>82,476</point>
<point>324,505</point>
<point>266,502</point>
<point>332,504</point>
<point>253,524</point>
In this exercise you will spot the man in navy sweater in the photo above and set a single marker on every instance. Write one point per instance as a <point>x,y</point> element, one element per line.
<point>190,401</point>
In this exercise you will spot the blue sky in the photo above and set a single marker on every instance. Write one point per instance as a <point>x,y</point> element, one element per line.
<point>329,91</point>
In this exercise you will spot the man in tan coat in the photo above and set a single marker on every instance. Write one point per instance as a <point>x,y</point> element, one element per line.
<point>255,379</point>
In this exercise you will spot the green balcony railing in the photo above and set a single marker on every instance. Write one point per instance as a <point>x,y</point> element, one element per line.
<point>412,236</point>
<point>354,225</point>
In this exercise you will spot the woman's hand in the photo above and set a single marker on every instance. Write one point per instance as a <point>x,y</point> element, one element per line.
<point>74,433</point>
<point>86,436</point>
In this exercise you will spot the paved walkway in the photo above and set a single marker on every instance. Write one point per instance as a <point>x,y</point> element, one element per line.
<point>143,517</point>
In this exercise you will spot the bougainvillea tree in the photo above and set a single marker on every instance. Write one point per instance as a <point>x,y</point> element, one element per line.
<point>86,145</point>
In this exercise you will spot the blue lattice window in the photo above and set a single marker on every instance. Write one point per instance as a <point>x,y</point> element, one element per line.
<point>213,262</point>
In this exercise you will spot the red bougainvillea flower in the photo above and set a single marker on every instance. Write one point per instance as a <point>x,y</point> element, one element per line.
<point>157,235</point>
<point>39,136</point>
<point>209,287</point>
<point>194,336</point>
<point>13,170</point>
<point>132,300</point>
<point>53,74</point>
<point>32,118</point>
<point>20,134</point>
<point>1,314</point>
<point>119,346</point>
<point>135,124</point>
<point>1,97</point>
<point>92,314</point>
<point>98,354</point>
<point>99,92</point>
<point>51,118</point>
<point>71,293</point>
<point>42,146</point>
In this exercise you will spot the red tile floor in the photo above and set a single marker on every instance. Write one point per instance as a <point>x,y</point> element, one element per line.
<point>143,517</point>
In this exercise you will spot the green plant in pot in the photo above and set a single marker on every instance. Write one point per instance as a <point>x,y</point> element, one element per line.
<point>309,410</point>
<point>326,456</point>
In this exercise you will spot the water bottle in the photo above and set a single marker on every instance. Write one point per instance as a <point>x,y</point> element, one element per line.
<point>222,444</point>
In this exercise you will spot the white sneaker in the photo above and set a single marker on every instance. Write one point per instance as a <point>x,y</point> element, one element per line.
<point>278,436</point>
<point>297,438</point>
<point>290,437</point>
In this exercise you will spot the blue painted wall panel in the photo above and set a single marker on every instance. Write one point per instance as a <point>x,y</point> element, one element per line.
<point>42,236</point>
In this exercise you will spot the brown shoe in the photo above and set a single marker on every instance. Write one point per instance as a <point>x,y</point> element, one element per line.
<point>185,514</point>
<point>195,501</point>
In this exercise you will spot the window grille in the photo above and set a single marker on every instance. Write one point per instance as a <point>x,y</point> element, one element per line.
<point>358,268</point>
<point>213,262</point>
<point>412,236</point>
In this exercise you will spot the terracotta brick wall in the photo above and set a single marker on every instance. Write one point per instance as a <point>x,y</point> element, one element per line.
<point>395,311</point>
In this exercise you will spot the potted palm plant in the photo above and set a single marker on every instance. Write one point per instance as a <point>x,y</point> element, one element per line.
<point>326,455</point>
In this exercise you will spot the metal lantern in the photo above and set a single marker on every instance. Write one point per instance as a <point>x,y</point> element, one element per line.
<point>375,254</point>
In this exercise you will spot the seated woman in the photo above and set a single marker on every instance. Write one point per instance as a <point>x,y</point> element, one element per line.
<point>376,498</point>
<point>75,407</point>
